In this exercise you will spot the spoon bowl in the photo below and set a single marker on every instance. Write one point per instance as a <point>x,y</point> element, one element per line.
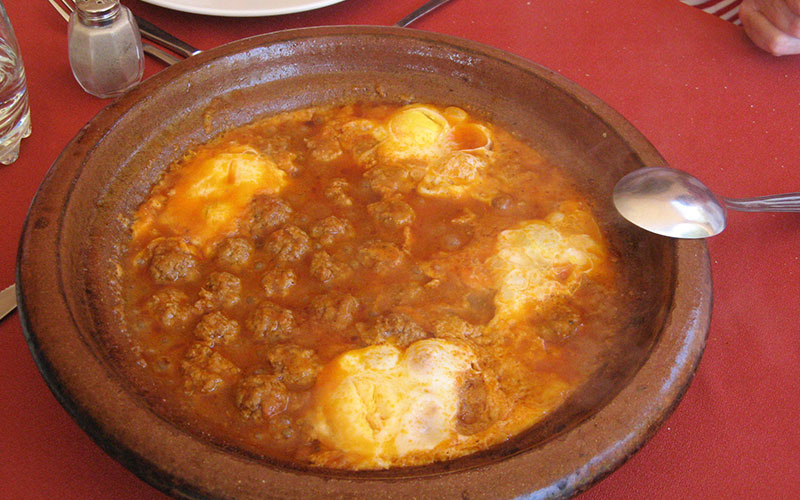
<point>670,202</point>
<point>673,203</point>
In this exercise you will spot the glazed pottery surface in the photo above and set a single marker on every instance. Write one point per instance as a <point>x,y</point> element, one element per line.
<point>79,220</point>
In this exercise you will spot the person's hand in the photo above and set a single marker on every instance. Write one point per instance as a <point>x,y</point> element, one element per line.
<point>773,25</point>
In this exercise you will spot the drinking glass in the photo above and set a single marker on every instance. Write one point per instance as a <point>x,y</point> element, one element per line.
<point>15,116</point>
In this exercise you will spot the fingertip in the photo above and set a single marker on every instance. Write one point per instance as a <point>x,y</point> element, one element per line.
<point>765,35</point>
<point>784,45</point>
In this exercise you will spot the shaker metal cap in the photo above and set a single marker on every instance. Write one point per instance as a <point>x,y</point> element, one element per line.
<point>97,10</point>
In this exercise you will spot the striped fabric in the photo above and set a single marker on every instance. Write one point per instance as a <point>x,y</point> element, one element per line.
<point>726,9</point>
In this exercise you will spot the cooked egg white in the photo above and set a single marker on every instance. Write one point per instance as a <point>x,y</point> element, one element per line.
<point>541,259</point>
<point>455,175</point>
<point>380,403</point>
<point>212,191</point>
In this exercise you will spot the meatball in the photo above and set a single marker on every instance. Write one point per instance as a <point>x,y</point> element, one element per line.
<point>326,269</point>
<point>392,213</point>
<point>270,322</point>
<point>281,149</point>
<point>205,370</point>
<point>216,328</point>
<point>220,290</point>
<point>388,179</point>
<point>451,326</point>
<point>288,244</point>
<point>330,229</point>
<point>325,145</point>
<point>336,192</point>
<point>173,267</point>
<point>259,397</point>
<point>295,366</point>
<point>382,256</point>
<point>474,411</point>
<point>234,253</point>
<point>267,213</point>
<point>173,261</point>
<point>278,281</point>
<point>335,309</point>
<point>359,136</point>
<point>170,307</point>
<point>394,328</point>
<point>287,161</point>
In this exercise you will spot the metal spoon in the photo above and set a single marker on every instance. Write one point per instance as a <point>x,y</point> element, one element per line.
<point>673,203</point>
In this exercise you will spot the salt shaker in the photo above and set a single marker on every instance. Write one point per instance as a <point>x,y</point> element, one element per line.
<point>105,48</point>
<point>15,116</point>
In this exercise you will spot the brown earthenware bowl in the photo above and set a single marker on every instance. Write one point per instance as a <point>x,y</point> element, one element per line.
<point>70,297</point>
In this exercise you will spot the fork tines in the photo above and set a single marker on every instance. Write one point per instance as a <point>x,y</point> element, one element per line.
<point>64,11</point>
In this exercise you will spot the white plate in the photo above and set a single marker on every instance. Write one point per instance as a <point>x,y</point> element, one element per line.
<point>243,8</point>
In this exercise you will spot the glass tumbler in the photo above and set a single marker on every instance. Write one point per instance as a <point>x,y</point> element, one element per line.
<point>15,115</point>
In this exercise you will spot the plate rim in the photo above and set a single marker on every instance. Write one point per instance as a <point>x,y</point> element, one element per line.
<point>257,10</point>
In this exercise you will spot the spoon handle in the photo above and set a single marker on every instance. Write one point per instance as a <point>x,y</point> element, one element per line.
<point>788,202</point>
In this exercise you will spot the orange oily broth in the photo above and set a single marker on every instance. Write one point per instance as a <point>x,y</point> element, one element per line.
<point>431,266</point>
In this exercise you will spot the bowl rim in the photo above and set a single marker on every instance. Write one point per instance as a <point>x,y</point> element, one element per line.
<point>673,360</point>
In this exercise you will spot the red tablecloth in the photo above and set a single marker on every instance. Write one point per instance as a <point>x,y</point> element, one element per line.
<point>710,102</point>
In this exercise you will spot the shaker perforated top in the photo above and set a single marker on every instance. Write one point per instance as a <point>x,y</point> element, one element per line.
<point>97,11</point>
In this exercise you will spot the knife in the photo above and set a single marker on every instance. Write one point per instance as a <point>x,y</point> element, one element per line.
<point>8,300</point>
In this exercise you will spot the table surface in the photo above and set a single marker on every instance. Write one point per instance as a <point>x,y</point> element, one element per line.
<point>694,85</point>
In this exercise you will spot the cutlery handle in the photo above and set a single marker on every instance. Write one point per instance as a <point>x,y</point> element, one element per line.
<point>156,34</point>
<point>8,300</point>
<point>427,7</point>
<point>788,202</point>
<point>159,54</point>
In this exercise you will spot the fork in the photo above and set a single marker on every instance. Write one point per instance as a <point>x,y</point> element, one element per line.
<point>66,7</point>
<point>427,7</point>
